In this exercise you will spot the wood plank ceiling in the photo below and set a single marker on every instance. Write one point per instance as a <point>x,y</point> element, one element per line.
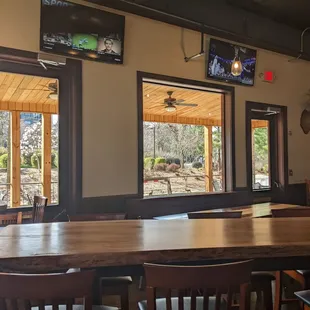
<point>26,93</point>
<point>207,112</point>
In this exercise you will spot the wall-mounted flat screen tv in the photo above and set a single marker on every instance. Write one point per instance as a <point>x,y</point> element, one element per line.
<point>220,59</point>
<point>75,30</point>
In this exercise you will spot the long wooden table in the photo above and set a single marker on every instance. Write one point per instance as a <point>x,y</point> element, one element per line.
<point>254,211</point>
<point>275,243</point>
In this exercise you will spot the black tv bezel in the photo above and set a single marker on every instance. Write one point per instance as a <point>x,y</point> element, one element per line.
<point>81,57</point>
<point>234,82</point>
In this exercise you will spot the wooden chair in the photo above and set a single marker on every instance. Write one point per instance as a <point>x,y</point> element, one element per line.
<point>260,281</point>
<point>215,215</point>
<point>304,297</point>
<point>308,192</point>
<point>225,279</point>
<point>11,218</point>
<point>301,276</point>
<point>20,292</point>
<point>39,204</point>
<point>109,286</point>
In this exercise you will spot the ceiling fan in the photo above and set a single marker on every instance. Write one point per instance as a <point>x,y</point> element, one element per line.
<point>171,103</point>
<point>52,88</point>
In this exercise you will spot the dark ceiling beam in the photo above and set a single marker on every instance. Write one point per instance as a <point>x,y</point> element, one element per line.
<point>217,18</point>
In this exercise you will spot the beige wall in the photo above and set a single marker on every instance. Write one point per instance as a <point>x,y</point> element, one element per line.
<point>110,104</point>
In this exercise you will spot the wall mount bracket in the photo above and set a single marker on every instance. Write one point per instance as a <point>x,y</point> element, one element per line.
<point>202,51</point>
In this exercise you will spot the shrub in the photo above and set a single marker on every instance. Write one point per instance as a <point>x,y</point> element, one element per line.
<point>37,157</point>
<point>149,162</point>
<point>54,160</point>
<point>3,151</point>
<point>36,160</point>
<point>160,160</point>
<point>197,164</point>
<point>173,168</point>
<point>26,160</point>
<point>4,161</point>
<point>160,167</point>
<point>172,160</point>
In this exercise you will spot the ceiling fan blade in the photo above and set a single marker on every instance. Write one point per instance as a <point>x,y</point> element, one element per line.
<point>186,104</point>
<point>179,101</point>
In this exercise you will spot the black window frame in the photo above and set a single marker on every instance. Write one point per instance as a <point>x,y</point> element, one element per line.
<point>70,120</point>
<point>221,89</point>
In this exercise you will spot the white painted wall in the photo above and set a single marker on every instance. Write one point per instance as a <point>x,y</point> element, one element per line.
<point>109,95</point>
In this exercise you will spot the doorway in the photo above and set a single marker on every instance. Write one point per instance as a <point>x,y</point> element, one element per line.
<point>266,146</point>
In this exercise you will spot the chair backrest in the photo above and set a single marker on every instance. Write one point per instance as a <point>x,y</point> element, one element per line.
<point>291,212</point>
<point>39,204</point>
<point>18,291</point>
<point>215,215</point>
<point>11,218</point>
<point>222,279</point>
<point>308,192</point>
<point>98,217</point>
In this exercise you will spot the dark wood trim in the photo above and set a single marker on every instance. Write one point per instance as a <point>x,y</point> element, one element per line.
<point>281,134</point>
<point>148,208</point>
<point>188,16</point>
<point>223,89</point>
<point>70,121</point>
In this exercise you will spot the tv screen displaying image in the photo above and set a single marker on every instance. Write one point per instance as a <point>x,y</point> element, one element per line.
<point>220,60</point>
<point>75,30</point>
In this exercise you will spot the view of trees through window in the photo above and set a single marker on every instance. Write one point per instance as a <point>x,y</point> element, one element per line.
<point>29,134</point>
<point>31,179</point>
<point>260,152</point>
<point>174,159</point>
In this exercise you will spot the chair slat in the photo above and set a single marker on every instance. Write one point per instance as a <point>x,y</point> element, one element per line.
<point>193,299</point>
<point>56,305</point>
<point>27,304</point>
<point>69,304</point>
<point>168,300</point>
<point>229,299</point>
<point>181,299</point>
<point>151,298</point>
<point>218,297</point>
<point>206,296</point>
<point>42,305</point>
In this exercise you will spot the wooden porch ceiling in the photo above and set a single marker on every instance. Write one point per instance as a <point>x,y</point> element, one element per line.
<point>207,112</point>
<point>26,93</point>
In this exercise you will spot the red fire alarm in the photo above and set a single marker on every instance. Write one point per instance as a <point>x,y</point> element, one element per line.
<point>268,76</point>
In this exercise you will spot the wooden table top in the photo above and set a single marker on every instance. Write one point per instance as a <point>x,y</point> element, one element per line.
<point>42,247</point>
<point>254,211</point>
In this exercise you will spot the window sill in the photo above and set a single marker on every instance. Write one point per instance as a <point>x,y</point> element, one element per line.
<point>25,209</point>
<point>187,195</point>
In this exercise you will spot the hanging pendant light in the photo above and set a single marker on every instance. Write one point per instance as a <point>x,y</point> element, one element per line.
<point>236,66</point>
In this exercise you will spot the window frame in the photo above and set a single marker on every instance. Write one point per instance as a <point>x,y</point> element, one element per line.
<point>229,175</point>
<point>70,118</point>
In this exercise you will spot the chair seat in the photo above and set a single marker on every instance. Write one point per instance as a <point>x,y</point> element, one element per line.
<point>304,296</point>
<point>161,304</point>
<point>113,281</point>
<point>77,307</point>
<point>304,273</point>
<point>262,276</point>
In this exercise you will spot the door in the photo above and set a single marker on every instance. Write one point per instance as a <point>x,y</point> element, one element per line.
<point>265,167</point>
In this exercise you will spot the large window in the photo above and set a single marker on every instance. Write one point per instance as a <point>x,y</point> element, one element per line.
<point>182,140</point>
<point>28,139</point>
